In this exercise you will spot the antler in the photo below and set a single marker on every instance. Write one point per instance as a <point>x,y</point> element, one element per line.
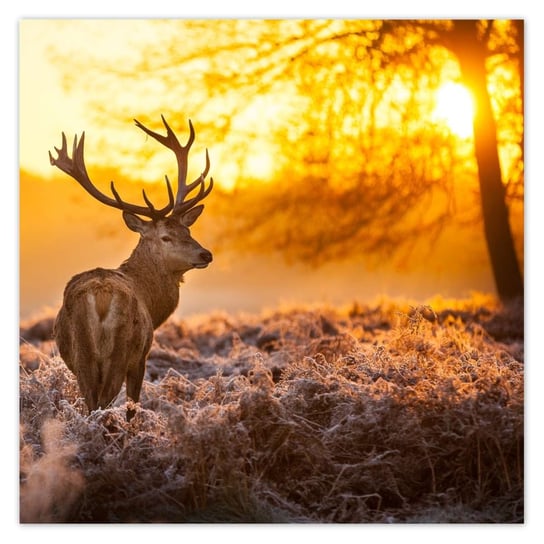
<point>75,167</point>
<point>182,152</point>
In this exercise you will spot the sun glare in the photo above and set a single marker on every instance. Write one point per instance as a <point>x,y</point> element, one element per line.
<point>455,108</point>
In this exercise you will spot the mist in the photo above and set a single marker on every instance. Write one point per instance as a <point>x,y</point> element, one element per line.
<point>61,237</point>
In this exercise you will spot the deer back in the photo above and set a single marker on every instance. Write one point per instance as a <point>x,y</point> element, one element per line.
<point>103,330</point>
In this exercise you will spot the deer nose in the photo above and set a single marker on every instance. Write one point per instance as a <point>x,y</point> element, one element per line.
<point>206,256</point>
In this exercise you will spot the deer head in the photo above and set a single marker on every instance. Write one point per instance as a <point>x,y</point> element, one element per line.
<point>166,235</point>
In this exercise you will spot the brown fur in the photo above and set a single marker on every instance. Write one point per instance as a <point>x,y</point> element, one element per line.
<point>104,328</point>
<point>102,303</point>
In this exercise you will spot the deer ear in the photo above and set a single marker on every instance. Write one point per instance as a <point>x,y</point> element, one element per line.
<point>191,216</point>
<point>133,222</point>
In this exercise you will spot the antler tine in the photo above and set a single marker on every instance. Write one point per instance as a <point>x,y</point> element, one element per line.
<point>170,140</point>
<point>202,193</point>
<point>77,152</point>
<point>181,152</point>
<point>200,178</point>
<point>170,195</point>
<point>75,167</point>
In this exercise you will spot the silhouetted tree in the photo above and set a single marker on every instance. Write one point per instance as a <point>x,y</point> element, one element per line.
<point>469,43</point>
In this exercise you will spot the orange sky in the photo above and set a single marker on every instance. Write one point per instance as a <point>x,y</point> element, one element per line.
<point>44,114</point>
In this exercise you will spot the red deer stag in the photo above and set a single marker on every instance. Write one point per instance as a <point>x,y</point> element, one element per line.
<point>104,328</point>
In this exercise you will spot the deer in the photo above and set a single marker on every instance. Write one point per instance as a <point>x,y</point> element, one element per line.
<point>104,328</point>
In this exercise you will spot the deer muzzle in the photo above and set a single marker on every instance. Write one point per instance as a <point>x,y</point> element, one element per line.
<point>205,258</point>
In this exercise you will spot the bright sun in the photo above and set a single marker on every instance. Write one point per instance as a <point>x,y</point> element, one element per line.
<point>455,107</point>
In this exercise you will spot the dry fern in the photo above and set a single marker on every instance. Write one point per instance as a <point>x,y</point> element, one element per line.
<point>392,413</point>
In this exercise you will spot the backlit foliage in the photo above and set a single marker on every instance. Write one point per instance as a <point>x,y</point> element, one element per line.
<point>326,126</point>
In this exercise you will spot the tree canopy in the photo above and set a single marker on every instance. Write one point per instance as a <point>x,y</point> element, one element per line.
<point>327,126</point>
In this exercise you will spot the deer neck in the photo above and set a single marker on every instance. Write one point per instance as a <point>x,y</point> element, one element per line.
<point>157,287</point>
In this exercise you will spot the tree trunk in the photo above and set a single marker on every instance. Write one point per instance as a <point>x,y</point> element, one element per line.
<point>471,53</point>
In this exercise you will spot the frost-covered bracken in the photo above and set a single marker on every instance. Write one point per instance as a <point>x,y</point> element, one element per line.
<point>383,413</point>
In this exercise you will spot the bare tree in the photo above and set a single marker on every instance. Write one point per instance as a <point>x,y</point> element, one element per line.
<point>469,42</point>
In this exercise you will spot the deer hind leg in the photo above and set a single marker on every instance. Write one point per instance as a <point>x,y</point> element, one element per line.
<point>110,380</point>
<point>135,377</point>
<point>102,380</point>
<point>141,344</point>
<point>77,348</point>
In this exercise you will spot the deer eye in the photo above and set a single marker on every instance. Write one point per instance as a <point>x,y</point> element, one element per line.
<point>166,238</point>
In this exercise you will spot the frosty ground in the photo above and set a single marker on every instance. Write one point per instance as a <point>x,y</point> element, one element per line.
<point>375,413</point>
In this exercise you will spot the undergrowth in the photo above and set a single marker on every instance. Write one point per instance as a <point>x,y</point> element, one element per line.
<point>387,414</point>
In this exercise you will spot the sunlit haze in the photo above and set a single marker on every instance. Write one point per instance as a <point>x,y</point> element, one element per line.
<point>277,120</point>
<point>455,107</point>
<point>55,109</point>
